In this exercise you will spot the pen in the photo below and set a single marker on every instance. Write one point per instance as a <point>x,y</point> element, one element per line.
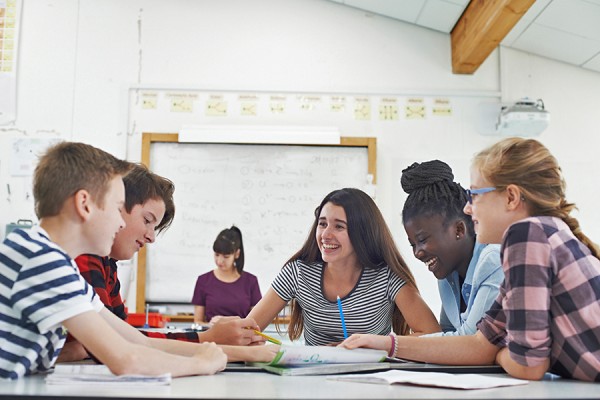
<point>269,338</point>
<point>342,317</point>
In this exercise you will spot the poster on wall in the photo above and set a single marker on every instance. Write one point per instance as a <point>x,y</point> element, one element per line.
<point>10,15</point>
<point>26,152</point>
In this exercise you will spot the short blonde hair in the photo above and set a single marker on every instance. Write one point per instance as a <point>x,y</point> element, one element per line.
<point>68,167</point>
<point>529,165</point>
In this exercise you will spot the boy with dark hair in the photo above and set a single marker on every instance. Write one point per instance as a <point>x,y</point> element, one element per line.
<point>150,209</point>
<point>79,194</point>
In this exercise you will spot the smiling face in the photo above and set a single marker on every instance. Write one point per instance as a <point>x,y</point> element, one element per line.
<point>488,211</point>
<point>435,244</point>
<point>106,222</point>
<point>141,229</point>
<point>332,236</point>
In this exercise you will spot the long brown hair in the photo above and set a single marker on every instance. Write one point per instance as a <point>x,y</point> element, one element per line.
<point>372,241</point>
<point>529,165</point>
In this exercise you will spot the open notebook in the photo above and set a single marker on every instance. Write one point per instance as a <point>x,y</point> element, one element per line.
<point>324,360</point>
<point>434,379</point>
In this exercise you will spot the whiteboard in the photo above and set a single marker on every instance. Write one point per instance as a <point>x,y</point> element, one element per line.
<point>269,191</point>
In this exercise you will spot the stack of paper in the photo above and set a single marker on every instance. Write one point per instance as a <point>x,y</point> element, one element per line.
<point>439,379</point>
<point>325,369</point>
<point>68,374</point>
<point>323,360</point>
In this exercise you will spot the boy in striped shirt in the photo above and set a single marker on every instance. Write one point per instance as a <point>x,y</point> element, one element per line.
<point>79,194</point>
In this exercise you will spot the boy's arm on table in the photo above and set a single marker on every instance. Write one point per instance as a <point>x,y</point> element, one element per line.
<point>228,330</point>
<point>124,350</point>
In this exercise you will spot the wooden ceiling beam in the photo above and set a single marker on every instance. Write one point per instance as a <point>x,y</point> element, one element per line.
<point>481,28</point>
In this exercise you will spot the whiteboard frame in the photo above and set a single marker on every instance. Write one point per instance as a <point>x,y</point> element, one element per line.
<point>148,138</point>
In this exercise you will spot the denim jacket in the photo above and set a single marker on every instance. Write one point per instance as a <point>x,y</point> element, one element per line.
<point>479,290</point>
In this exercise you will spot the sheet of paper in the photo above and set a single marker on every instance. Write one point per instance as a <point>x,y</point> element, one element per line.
<point>436,379</point>
<point>68,374</point>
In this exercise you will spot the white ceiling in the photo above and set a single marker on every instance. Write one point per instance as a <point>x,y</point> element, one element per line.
<point>564,30</point>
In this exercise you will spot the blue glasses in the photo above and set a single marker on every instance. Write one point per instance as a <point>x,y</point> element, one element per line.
<point>474,192</point>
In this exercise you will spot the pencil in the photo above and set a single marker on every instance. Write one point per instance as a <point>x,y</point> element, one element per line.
<point>269,338</point>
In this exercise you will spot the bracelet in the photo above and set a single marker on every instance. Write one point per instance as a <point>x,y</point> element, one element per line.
<point>394,348</point>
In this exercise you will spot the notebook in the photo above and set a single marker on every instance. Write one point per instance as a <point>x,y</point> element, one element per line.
<point>325,369</point>
<point>324,360</point>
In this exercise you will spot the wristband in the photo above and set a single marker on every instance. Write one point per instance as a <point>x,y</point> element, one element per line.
<point>394,348</point>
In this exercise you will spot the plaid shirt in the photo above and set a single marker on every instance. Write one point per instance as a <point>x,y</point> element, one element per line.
<point>101,274</point>
<point>549,303</point>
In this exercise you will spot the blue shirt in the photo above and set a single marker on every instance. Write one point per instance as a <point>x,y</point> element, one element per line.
<point>479,290</point>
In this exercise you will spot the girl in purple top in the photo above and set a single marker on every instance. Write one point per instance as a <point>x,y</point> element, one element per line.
<point>227,290</point>
<point>547,315</point>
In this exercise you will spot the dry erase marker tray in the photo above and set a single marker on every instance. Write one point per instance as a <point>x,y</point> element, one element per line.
<point>155,320</point>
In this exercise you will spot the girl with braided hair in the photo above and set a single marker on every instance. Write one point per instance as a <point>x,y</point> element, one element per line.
<point>228,290</point>
<point>547,315</point>
<point>442,236</point>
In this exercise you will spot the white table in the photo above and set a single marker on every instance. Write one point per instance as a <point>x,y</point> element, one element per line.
<point>261,385</point>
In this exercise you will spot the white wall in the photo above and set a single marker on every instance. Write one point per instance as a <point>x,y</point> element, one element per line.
<point>78,60</point>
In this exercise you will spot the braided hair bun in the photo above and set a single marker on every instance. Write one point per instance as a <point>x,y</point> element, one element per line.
<point>429,176</point>
<point>431,190</point>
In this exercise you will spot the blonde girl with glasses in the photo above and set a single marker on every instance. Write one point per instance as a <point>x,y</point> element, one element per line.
<point>547,315</point>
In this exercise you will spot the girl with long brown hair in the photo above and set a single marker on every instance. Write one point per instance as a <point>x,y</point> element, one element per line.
<point>349,253</point>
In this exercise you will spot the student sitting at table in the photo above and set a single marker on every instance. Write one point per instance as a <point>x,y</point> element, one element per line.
<point>349,253</point>
<point>227,290</point>
<point>547,315</point>
<point>78,193</point>
<point>442,236</point>
<point>149,209</point>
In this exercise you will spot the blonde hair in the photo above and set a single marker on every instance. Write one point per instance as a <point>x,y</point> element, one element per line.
<point>529,165</point>
<point>69,167</point>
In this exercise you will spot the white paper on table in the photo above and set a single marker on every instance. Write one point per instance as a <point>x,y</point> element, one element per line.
<point>438,379</point>
<point>68,374</point>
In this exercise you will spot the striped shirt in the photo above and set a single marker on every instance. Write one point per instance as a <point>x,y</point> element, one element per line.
<point>367,308</point>
<point>39,289</point>
<point>549,303</point>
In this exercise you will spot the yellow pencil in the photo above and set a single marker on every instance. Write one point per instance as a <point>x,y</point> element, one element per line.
<point>269,338</point>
